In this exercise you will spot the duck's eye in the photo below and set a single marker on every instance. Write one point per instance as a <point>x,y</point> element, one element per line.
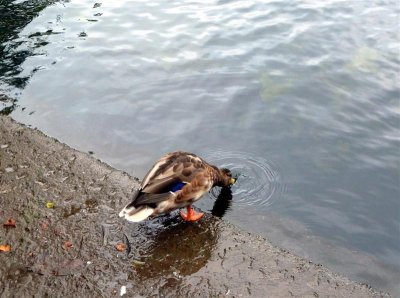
<point>227,172</point>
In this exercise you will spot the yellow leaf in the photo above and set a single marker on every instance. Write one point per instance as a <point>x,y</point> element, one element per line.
<point>50,205</point>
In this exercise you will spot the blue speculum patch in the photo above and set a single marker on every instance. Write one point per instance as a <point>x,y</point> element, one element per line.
<point>177,186</point>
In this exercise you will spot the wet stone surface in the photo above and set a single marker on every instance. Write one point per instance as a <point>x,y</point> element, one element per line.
<point>68,248</point>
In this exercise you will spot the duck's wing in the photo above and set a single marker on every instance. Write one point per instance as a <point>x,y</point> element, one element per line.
<point>176,164</point>
<point>163,185</point>
<point>173,172</point>
<point>181,191</point>
<point>200,184</point>
<point>156,191</point>
<point>158,168</point>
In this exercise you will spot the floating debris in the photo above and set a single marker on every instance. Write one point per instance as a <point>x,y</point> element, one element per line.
<point>364,59</point>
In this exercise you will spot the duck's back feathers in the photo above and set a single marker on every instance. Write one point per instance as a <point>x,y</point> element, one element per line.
<point>176,180</point>
<point>162,185</point>
<point>182,165</point>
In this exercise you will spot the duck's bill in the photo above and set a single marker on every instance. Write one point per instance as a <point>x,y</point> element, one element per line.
<point>232,181</point>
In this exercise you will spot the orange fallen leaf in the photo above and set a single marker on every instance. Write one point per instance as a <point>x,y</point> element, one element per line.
<point>9,223</point>
<point>68,244</point>
<point>5,248</point>
<point>120,246</point>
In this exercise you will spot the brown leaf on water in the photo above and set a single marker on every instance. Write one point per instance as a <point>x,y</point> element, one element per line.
<point>120,246</point>
<point>5,248</point>
<point>9,223</point>
<point>68,244</point>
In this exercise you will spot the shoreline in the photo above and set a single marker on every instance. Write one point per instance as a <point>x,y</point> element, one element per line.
<point>163,257</point>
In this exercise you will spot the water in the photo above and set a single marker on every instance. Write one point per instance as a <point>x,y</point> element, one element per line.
<point>300,99</point>
<point>257,180</point>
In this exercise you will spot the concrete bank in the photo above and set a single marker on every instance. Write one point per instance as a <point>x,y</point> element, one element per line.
<point>69,250</point>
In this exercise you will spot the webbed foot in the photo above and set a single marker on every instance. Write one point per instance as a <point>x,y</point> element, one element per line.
<point>191,215</point>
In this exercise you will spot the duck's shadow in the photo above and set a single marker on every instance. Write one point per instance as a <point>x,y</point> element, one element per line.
<point>170,246</point>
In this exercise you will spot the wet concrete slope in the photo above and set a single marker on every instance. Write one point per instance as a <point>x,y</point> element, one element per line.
<point>70,249</point>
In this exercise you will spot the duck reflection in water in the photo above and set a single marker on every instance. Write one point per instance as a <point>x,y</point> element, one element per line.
<point>178,249</point>
<point>175,248</point>
<point>223,202</point>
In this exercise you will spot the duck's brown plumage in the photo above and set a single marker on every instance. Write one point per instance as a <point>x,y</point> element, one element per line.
<point>176,180</point>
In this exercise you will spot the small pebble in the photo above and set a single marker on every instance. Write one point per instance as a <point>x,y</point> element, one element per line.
<point>123,291</point>
<point>3,146</point>
<point>9,170</point>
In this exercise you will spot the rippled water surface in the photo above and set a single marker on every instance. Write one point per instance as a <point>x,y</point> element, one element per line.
<point>299,98</point>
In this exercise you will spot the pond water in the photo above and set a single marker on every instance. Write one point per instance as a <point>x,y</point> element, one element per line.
<point>299,98</point>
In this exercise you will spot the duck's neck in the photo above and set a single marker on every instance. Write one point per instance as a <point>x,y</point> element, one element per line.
<point>216,176</point>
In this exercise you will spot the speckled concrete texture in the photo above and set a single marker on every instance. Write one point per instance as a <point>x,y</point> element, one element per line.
<point>69,250</point>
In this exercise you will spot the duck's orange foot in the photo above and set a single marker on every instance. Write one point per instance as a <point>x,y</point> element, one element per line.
<point>191,215</point>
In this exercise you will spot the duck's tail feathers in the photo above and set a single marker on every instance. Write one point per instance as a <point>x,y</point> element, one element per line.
<point>133,214</point>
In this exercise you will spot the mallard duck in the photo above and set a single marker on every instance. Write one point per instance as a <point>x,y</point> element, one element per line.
<point>175,181</point>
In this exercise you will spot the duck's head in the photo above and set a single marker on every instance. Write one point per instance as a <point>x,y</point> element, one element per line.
<point>226,178</point>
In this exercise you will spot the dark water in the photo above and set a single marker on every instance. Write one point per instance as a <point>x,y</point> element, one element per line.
<point>300,99</point>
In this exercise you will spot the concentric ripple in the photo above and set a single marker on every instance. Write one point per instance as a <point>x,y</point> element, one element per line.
<point>258,180</point>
